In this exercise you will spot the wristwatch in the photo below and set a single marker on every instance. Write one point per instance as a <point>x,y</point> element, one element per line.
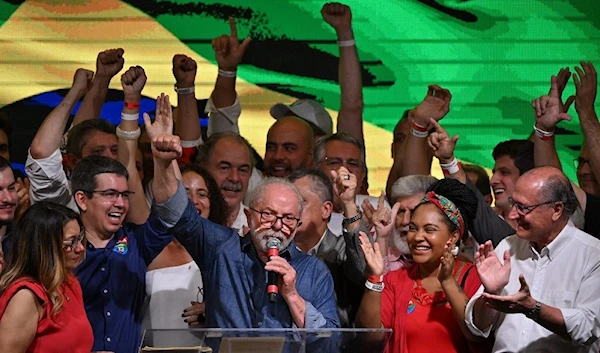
<point>534,313</point>
<point>353,219</point>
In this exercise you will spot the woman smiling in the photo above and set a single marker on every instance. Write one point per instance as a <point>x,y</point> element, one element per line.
<point>425,303</point>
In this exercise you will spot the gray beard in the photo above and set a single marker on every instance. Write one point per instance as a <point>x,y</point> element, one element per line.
<point>399,241</point>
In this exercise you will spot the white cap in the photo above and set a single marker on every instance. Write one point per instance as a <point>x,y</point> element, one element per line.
<point>306,109</point>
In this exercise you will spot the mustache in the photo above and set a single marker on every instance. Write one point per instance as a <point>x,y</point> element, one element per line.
<point>12,204</point>
<point>269,233</point>
<point>229,186</point>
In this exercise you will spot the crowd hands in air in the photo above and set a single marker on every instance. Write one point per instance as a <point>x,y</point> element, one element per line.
<point>120,229</point>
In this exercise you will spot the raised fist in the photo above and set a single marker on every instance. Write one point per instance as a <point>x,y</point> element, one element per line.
<point>133,81</point>
<point>184,70</point>
<point>228,50</point>
<point>344,185</point>
<point>435,105</point>
<point>82,81</point>
<point>109,62</point>
<point>337,15</point>
<point>166,147</point>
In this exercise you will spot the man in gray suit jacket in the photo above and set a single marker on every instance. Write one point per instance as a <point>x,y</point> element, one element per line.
<point>341,254</point>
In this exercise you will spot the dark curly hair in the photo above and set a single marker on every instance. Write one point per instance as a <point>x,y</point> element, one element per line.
<point>218,206</point>
<point>464,199</point>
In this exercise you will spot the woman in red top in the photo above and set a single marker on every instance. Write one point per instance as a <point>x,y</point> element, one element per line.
<point>425,303</point>
<point>41,304</point>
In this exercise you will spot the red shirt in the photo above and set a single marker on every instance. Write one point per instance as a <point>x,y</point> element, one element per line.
<point>68,331</point>
<point>424,328</point>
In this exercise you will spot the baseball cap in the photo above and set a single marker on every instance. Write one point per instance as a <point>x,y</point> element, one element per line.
<point>306,109</point>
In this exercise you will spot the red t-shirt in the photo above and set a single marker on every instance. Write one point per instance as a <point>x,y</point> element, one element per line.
<point>68,331</point>
<point>427,328</point>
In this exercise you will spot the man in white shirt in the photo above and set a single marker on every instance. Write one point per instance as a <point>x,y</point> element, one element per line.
<point>550,273</point>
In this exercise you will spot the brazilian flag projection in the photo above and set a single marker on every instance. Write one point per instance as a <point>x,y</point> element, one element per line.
<point>495,57</point>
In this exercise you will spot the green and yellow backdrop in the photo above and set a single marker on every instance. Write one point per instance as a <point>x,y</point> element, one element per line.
<point>495,57</point>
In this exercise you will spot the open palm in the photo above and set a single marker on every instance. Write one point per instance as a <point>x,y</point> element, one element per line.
<point>493,274</point>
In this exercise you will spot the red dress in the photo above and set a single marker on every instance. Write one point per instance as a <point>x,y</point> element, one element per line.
<point>68,331</point>
<point>419,323</point>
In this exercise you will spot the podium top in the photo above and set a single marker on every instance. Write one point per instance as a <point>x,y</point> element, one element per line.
<point>272,340</point>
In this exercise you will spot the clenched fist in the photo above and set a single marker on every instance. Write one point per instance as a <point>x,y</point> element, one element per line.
<point>184,70</point>
<point>109,62</point>
<point>337,15</point>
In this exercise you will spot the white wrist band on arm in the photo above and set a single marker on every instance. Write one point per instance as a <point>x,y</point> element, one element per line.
<point>376,287</point>
<point>186,90</point>
<point>346,43</point>
<point>544,135</point>
<point>225,73</point>
<point>129,135</point>
<point>130,117</point>
<point>450,168</point>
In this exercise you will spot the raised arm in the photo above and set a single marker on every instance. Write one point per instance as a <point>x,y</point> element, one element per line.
<point>435,105</point>
<point>223,104</point>
<point>486,224</point>
<point>350,118</point>
<point>132,81</point>
<point>187,123</point>
<point>108,64</point>
<point>586,85</point>
<point>48,137</point>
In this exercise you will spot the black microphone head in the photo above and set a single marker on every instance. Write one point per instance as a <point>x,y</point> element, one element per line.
<point>274,243</point>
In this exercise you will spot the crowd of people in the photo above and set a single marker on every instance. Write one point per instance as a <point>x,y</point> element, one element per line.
<point>114,230</point>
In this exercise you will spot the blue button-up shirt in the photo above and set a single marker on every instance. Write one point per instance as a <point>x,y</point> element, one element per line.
<point>235,280</point>
<point>113,279</point>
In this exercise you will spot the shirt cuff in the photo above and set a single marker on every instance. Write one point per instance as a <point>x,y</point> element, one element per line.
<point>312,317</point>
<point>171,211</point>
<point>575,323</point>
<point>469,319</point>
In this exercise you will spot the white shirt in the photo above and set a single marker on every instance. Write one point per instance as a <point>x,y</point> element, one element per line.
<point>564,275</point>
<point>335,223</point>
<point>240,221</point>
<point>170,290</point>
<point>49,181</point>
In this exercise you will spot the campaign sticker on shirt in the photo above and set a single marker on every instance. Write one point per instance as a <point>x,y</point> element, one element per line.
<point>411,307</point>
<point>121,247</point>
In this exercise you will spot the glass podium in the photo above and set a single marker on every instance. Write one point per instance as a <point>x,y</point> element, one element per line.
<point>265,340</point>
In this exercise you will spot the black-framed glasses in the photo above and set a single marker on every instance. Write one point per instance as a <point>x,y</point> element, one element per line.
<point>524,210</point>
<point>579,161</point>
<point>270,218</point>
<point>70,245</point>
<point>111,194</point>
<point>353,165</point>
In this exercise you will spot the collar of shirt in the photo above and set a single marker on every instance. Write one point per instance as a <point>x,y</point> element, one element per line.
<point>289,253</point>
<point>313,251</point>
<point>240,221</point>
<point>557,245</point>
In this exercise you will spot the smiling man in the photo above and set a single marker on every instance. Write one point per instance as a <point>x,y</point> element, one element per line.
<point>228,158</point>
<point>8,205</point>
<point>550,273</point>
<point>113,274</point>
<point>512,159</point>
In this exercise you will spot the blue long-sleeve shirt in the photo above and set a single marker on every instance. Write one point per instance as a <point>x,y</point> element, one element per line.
<point>113,279</point>
<point>235,280</point>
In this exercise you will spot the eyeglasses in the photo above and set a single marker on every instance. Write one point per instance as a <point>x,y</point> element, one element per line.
<point>353,165</point>
<point>524,210</point>
<point>111,194</point>
<point>577,162</point>
<point>269,218</point>
<point>70,245</point>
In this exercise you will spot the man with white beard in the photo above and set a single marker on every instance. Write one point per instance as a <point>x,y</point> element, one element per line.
<point>234,269</point>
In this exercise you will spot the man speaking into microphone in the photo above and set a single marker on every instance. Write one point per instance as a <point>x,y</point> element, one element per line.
<point>235,270</point>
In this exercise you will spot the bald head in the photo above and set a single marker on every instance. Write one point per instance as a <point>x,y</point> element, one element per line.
<point>289,146</point>
<point>550,184</point>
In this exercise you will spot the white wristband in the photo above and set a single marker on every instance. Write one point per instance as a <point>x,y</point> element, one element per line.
<point>129,135</point>
<point>130,117</point>
<point>187,90</point>
<point>544,135</point>
<point>376,287</point>
<point>450,168</point>
<point>346,43</point>
<point>225,73</point>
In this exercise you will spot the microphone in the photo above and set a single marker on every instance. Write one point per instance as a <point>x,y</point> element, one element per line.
<point>272,277</point>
